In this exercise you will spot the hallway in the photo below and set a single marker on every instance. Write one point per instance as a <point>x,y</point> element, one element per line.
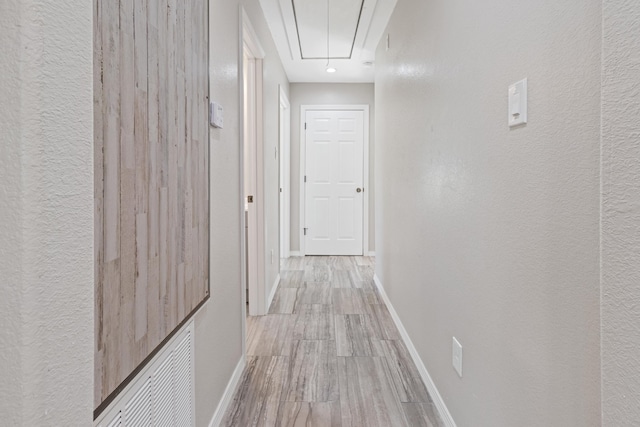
<point>329,354</point>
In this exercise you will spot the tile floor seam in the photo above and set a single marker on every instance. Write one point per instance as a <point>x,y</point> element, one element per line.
<point>372,387</point>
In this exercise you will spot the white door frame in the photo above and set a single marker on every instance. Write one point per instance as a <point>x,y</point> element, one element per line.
<point>285,174</point>
<point>251,46</point>
<point>303,168</point>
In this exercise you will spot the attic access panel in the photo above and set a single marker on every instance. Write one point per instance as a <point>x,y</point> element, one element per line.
<point>311,25</point>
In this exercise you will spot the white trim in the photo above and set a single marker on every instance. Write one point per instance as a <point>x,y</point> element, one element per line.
<point>365,185</point>
<point>295,253</point>
<point>250,173</point>
<point>257,265</point>
<point>284,175</point>
<point>424,374</point>
<point>303,117</point>
<point>227,397</point>
<point>371,253</point>
<point>250,38</point>
<point>260,194</point>
<point>274,288</point>
<point>242,200</point>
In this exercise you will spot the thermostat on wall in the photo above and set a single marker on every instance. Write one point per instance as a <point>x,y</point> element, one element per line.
<point>216,115</point>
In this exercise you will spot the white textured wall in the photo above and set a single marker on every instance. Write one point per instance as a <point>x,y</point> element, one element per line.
<point>487,233</point>
<point>46,223</point>
<point>328,94</point>
<point>10,213</point>
<point>219,322</point>
<point>621,213</point>
<point>218,343</point>
<point>46,213</point>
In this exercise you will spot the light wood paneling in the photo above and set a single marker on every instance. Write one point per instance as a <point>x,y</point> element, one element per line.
<point>151,178</point>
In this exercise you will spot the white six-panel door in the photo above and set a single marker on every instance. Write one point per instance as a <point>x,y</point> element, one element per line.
<point>334,193</point>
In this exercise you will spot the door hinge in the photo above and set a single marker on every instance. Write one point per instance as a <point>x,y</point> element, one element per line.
<point>305,231</point>
<point>305,178</point>
<point>249,199</point>
<point>305,126</point>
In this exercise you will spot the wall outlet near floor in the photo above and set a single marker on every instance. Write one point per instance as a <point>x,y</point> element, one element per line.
<point>457,356</point>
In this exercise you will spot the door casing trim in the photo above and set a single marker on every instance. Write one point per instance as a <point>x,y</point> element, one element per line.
<point>303,168</point>
<point>250,43</point>
<point>284,154</point>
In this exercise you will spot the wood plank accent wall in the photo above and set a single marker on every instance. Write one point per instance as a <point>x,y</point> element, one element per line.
<point>151,178</point>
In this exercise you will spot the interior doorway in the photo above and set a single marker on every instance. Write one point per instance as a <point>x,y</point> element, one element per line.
<point>254,297</point>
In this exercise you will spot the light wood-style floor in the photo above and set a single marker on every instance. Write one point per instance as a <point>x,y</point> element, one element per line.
<point>329,354</point>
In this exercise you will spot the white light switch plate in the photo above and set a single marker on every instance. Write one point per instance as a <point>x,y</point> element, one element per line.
<point>457,356</point>
<point>518,103</point>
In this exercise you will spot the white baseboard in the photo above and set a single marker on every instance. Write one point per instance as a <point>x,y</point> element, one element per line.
<point>218,415</point>
<point>274,288</point>
<point>298,253</point>
<point>428,381</point>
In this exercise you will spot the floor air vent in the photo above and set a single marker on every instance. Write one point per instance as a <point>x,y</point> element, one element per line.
<point>162,394</point>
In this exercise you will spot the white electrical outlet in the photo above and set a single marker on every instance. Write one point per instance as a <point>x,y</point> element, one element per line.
<point>457,356</point>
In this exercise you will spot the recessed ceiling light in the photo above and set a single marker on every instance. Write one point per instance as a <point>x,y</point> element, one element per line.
<point>331,70</point>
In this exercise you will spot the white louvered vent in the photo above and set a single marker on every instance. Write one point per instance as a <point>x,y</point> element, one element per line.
<point>162,394</point>
<point>183,385</point>
<point>117,421</point>
<point>137,412</point>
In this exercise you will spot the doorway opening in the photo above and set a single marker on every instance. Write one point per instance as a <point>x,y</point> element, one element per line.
<point>254,295</point>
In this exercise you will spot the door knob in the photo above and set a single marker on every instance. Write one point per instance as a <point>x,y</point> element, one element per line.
<point>359,190</point>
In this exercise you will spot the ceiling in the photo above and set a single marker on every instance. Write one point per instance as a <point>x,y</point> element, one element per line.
<point>300,28</point>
